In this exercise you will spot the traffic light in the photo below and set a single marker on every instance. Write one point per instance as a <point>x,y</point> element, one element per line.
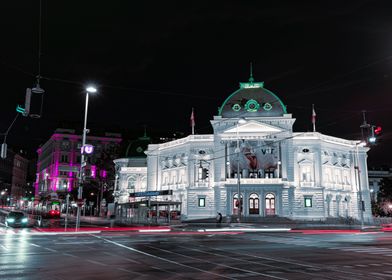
<point>374,133</point>
<point>205,173</point>
<point>34,101</point>
<point>377,130</point>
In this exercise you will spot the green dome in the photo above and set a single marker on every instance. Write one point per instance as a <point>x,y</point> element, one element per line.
<point>252,100</point>
<point>137,147</point>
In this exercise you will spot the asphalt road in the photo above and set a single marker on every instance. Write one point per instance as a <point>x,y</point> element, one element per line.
<point>194,255</point>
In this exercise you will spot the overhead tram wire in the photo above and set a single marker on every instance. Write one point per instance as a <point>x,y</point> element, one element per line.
<point>310,90</point>
<point>304,92</point>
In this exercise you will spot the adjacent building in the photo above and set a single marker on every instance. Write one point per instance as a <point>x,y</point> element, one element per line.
<point>376,175</point>
<point>254,165</point>
<point>13,178</point>
<point>58,163</point>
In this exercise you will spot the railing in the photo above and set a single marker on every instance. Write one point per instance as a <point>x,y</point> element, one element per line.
<point>382,220</point>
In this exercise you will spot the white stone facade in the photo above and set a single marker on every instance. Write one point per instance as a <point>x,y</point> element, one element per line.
<point>303,176</point>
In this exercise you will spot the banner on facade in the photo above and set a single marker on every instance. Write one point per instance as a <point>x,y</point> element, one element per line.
<point>256,157</point>
<point>151,193</point>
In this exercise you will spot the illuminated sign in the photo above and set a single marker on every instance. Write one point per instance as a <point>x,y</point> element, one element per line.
<point>87,149</point>
<point>151,193</point>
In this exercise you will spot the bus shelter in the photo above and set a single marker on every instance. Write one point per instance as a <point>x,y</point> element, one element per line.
<point>151,212</point>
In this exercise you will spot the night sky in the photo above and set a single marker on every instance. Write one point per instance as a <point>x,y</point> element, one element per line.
<point>155,60</point>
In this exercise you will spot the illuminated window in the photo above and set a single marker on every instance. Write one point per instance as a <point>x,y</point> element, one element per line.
<point>252,105</point>
<point>131,183</point>
<point>308,202</point>
<point>202,202</point>
<point>306,173</point>
<point>267,106</point>
<point>236,107</point>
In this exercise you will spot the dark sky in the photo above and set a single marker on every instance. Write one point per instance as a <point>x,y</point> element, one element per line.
<point>155,60</point>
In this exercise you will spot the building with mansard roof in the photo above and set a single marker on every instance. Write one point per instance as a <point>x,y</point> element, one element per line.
<point>254,152</point>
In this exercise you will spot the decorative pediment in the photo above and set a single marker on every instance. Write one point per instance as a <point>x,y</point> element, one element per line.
<point>337,164</point>
<point>252,127</point>
<point>305,161</point>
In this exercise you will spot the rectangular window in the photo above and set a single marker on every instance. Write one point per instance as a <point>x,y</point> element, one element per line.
<point>202,202</point>
<point>308,202</point>
<point>64,158</point>
<point>306,174</point>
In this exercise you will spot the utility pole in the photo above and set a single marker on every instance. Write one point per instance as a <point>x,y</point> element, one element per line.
<point>4,145</point>
<point>66,211</point>
<point>365,128</point>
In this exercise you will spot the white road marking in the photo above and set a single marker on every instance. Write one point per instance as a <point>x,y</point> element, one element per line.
<point>218,264</point>
<point>130,260</point>
<point>154,230</point>
<point>130,271</point>
<point>96,262</point>
<point>51,250</point>
<point>74,243</point>
<point>70,255</point>
<point>166,260</point>
<point>5,248</point>
<point>382,274</point>
<point>245,229</point>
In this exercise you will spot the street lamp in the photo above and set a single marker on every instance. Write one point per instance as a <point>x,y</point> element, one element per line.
<point>89,89</point>
<point>237,150</point>
<point>361,204</point>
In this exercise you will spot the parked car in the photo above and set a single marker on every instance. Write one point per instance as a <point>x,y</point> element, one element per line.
<point>16,219</point>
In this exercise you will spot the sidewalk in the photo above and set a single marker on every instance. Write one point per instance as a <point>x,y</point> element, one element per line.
<point>88,220</point>
<point>211,226</point>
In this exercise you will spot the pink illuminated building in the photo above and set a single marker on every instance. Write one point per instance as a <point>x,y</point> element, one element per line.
<point>59,161</point>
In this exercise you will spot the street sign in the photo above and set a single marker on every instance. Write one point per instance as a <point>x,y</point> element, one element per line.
<point>20,109</point>
<point>151,193</point>
<point>87,149</point>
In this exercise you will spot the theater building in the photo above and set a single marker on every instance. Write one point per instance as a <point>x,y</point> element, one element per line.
<point>255,152</point>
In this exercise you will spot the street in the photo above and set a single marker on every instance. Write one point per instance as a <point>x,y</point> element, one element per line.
<point>195,255</point>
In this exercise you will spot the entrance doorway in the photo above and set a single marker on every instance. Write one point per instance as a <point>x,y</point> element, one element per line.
<point>270,204</point>
<point>254,204</point>
<point>236,204</point>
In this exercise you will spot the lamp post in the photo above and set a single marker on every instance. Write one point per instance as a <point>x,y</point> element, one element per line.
<point>89,90</point>
<point>359,144</point>
<point>237,150</point>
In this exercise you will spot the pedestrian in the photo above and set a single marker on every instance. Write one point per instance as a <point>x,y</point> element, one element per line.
<point>112,220</point>
<point>219,219</point>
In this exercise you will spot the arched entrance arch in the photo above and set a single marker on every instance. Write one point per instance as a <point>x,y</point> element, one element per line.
<point>254,205</point>
<point>236,204</point>
<point>270,204</point>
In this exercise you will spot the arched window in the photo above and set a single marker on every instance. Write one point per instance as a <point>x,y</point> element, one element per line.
<point>270,204</point>
<point>254,204</point>
<point>131,183</point>
<point>236,203</point>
